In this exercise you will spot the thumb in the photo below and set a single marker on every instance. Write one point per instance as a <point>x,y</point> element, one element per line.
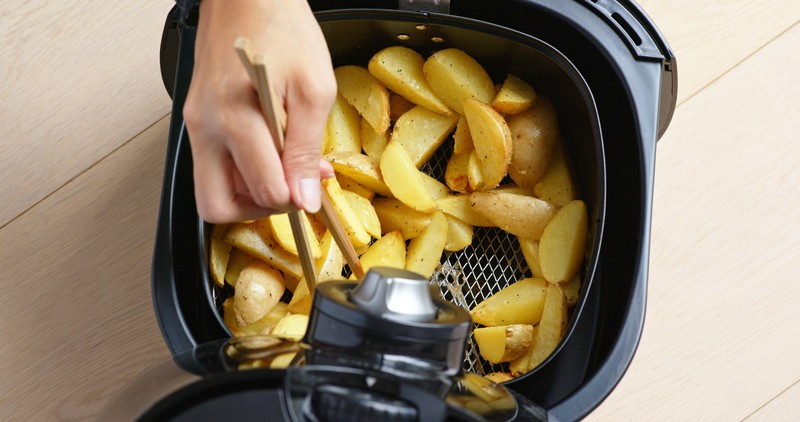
<point>302,157</point>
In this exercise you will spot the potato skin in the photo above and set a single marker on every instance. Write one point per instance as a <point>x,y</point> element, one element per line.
<point>534,133</point>
<point>258,290</point>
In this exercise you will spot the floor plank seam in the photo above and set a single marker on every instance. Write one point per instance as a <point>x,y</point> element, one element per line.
<point>737,64</point>
<point>765,404</point>
<point>68,181</point>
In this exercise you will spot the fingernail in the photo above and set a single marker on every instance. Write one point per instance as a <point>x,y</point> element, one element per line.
<point>310,194</point>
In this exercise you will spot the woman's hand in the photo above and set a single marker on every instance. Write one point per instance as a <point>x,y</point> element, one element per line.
<point>238,172</point>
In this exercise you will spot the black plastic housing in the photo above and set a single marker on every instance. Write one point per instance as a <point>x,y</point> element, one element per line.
<point>632,76</point>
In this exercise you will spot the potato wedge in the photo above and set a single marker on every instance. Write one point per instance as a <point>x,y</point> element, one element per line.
<point>459,234</point>
<point>571,289</point>
<point>421,132</point>
<point>365,213</point>
<point>398,106</point>
<point>557,184</point>
<point>548,333</point>
<point>534,135</point>
<point>563,242</point>
<point>219,254</point>
<point>388,251</point>
<point>256,240</point>
<point>403,179</point>
<point>364,92</point>
<point>503,343</point>
<point>513,188</point>
<point>282,232</point>
<point>520,215</point>
<point>360,168</point>
<point>458,206</point>
<point>437,189</point>
<point>455,76</point>
<point>342,129</point>
<point>351,185</point>
<point>237,261</point>
<point>499,377</point>
<point>396,216</point>
<point>372,142</point>
<point>462,139</point>
<point>530,250</point>
<point>492,140</point>
<point>455,174</point>
<point>475,175</point>
<point>400,69</point>
<point>332,261</point>
<point>350,220</point>
<point>521,302</point>
<point>425,251</point>
<point>258,290</point>
<point>291,327</point>
<point>514,96</point>
<point>262,326</point>
<point>301,299</point>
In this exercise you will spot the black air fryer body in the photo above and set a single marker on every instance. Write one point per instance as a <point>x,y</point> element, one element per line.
<point>632,75</point>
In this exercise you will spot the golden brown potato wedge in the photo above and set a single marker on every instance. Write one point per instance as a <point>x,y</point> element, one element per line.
<point>343,128</point>
<point>572,289</point>
<point>258,290</point>
<point>455,175</point>
<point>396,216</point>
<point>400,69</point>
<point>403,179</point>
<point>530,250</point>
<point>459,234</point>
<point>475,172</point>
<point>351,185</point>
<point>534,135</point>
<point>220,254</point>
<point>373,142</point>
<point>513,188</point>
<point>503,343</point>
<point>557,184</point>
<point>364,92</point>
<point>361,168</point>
<point>350,220</point>
<point>388,251</point>
<point>521,302</point>
<point>282,232</point>
<point>291,327</point>
<point>262,326</point>
<point>365,213</point>
<point>563,242</point>
<point>455,76</point>
<point>237,261</point>
<point>520,215</point>
<point>256,240</point>
<point>492,140</point>
<point>398,106</point>
<point>548,333</point>
<point>301,299</point>
<point>425,250</point>
<point>458,206</point>
<point>499,377</point>
<point>421,132</point>
<point>514,96</point>
<point>332,261</point>
<point>462,139</point>
<point>437,189</point>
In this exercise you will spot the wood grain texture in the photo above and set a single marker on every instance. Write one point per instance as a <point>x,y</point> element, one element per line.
<point>709,37</point>
<point>783,408</point>
<point>721,337</point>
<point>76,82</point>
<point>76,315</point>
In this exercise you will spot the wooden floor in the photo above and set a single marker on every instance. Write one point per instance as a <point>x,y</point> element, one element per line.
<point>83,127</point>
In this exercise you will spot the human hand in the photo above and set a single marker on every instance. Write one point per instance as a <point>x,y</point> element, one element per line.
<point>238,172</point>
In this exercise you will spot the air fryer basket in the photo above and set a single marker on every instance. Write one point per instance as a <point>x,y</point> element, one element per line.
<point>494,259</point>
<point>631,75</point>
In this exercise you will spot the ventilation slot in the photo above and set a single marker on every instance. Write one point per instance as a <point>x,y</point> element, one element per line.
<point>627,28</point>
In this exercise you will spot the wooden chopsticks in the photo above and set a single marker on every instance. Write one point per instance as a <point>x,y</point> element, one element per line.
<point>275,116</point>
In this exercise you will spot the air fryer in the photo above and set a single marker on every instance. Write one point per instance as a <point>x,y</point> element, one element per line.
<point>620,79</point>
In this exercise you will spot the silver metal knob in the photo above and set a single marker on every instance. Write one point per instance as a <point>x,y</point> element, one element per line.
<point>395,294</point>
